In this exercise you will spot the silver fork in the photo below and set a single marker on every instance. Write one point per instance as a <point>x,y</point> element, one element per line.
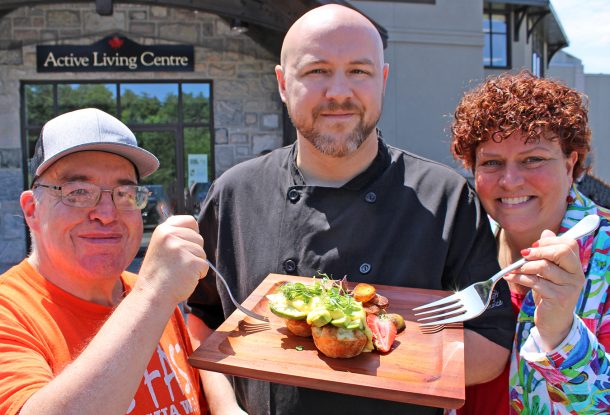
<point>474,299</point>
<point>164,212</point>
<point>233,300</point>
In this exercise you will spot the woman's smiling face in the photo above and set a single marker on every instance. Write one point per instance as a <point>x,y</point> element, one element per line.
<point>524,186</point>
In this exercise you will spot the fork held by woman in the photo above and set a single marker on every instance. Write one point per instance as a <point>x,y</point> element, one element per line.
<point>473,300</point>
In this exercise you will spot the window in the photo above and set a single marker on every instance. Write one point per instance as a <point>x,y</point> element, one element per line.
<point>536,65</point>
<point>496,34</point>
<point>538,54</point>
<point>173,120</point>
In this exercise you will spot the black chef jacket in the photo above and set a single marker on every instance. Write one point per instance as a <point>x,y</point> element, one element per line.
<point>405,221</point>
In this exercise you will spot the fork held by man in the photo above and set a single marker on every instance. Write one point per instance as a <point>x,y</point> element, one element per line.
<point>164,212</point>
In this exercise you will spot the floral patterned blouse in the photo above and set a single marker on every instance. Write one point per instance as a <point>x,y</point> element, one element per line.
<point>575,377</point>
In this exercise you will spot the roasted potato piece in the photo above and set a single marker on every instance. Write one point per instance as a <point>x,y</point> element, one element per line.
<point>376,305</point>
<point>339,342</point>
<point>398,321</point>
<point>380,300</point>
<point>363,292</point>
<point>370,308</point>
<point>298,327</point>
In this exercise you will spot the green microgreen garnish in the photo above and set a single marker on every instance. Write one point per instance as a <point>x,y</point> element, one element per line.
<point>338,299</point>
<point>299,348</point>
<point>299,291</point>
<point>332,293</point>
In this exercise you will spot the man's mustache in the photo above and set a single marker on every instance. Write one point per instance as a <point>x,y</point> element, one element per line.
<point>333,106</point>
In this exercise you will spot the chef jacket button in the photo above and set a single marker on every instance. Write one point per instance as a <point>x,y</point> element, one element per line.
<point>370,197</point>
<point>290,266</point>
<point>365,268</point>
<point>294,195</point>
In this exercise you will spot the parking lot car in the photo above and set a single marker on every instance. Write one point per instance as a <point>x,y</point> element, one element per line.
<point>150,214</point>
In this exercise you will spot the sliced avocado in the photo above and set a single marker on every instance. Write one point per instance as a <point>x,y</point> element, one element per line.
<point>335,314</point>
<point>339,322</point>
<point>279,307</point>
<point>286,311</point>
<point>318,317</point>
<point>353,325</point>
<point>358,314</point>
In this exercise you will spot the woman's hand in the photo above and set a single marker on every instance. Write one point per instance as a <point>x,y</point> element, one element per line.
<point>554,274</point>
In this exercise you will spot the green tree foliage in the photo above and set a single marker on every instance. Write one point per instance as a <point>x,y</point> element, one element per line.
<point>141,109</point>
<point>75,96</point>
<point>163,145</point>
<point>146,109</point>
<point>195,107</point>
<point>38,103</point>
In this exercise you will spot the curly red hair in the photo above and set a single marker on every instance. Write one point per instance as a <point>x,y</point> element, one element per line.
<point>535,106</point>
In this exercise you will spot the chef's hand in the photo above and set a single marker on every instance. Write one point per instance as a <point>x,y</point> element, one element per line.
<point>554,274</point>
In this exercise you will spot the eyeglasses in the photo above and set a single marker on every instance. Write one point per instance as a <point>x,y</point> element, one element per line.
<point>86,195</point>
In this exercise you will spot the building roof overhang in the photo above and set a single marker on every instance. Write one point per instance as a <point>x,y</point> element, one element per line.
<point>268,20</point>
<point>555,36</point>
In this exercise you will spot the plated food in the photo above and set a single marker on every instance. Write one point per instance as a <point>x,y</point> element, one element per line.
<point>343,323</point>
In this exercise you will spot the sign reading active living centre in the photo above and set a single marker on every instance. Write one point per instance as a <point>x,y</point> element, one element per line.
<point>112,54</point>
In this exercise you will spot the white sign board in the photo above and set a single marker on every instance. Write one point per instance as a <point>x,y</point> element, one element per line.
<point>197,169</point>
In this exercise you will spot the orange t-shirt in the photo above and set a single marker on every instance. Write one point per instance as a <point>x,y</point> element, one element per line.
<point>43,328</point>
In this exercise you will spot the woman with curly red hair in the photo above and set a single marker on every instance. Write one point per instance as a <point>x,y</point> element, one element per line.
<point>526,139</point>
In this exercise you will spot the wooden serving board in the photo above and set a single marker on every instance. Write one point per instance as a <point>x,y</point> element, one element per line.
<point>422,369</point>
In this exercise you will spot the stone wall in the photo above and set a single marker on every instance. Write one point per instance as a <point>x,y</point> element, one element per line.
<point>247,107</point>
<point>12,229</point>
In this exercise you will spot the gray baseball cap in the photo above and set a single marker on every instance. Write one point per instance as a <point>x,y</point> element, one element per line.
<point>89,129</point>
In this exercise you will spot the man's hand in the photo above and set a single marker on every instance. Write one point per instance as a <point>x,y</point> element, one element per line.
<point>175,260</point>
<point>555,275</point>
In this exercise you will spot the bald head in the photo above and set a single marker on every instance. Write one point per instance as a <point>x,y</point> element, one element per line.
<point>332,79</point>
<point>324,20</point>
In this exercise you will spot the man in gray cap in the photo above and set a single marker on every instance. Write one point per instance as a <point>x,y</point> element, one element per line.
<point>79,334</point>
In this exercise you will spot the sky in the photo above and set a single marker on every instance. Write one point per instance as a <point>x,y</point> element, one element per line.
<point>586,23</point>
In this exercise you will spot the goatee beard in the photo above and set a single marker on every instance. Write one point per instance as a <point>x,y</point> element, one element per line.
<point>332,146</point>
<point>338,145</point>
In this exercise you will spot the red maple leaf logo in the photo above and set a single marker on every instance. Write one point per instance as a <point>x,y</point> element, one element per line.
<point>115,42</point>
